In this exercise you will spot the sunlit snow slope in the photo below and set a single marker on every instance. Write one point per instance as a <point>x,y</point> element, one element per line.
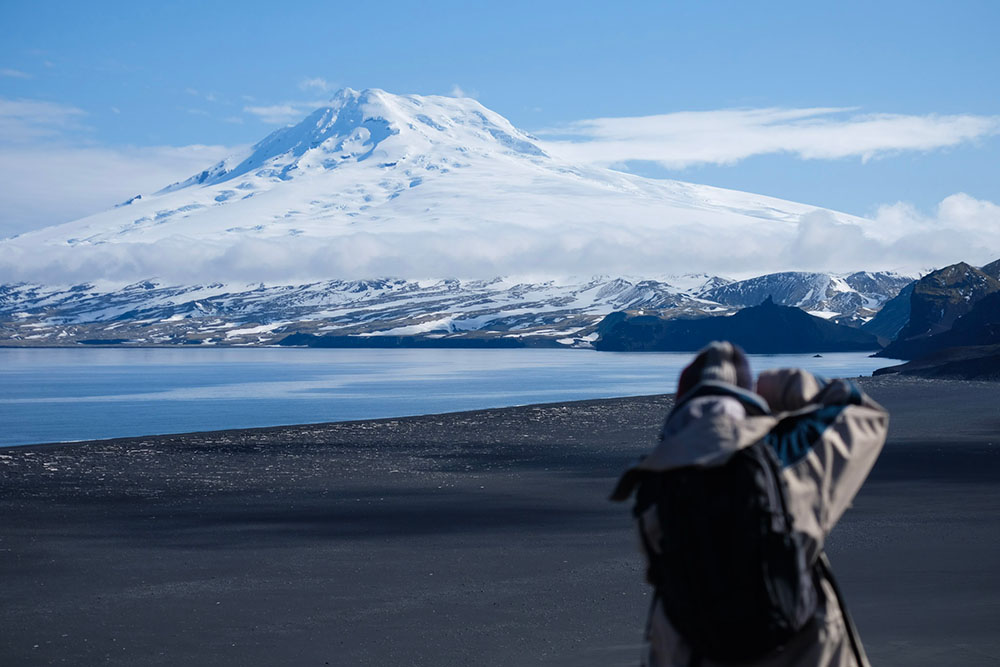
<point>376,184</point>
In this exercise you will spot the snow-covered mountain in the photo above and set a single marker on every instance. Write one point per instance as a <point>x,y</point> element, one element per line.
<point>561,312</point>
<point>414,186</point>
<point>294,233</point>
<point>153,313</point>
<point>849,299</point>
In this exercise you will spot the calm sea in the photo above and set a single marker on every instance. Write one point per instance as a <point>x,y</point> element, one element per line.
<point>55,395</point>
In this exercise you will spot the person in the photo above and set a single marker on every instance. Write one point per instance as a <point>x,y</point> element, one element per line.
<point>825,438</point>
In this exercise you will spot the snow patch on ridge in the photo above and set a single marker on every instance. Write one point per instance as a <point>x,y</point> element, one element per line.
<point>223,313</point>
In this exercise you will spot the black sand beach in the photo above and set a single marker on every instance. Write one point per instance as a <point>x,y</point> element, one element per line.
<point>470,538</point>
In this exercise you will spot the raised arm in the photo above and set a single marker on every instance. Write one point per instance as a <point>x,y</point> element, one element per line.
<point>828,438</point>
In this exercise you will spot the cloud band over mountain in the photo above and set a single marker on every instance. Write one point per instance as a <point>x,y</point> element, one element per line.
<point>689,138</point>
<point>898,237</point>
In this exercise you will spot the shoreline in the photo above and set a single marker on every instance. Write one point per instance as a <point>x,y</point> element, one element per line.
<point>277,429</point>
<point>477,537</point>
<point>126,429</point>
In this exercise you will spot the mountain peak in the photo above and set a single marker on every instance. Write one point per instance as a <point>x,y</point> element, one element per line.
<point>356,125</point>
<point>347,93</point>
<point>369,102</point>
<point>373,183</point>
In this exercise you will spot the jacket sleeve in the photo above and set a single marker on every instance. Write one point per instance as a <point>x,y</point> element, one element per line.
<point>827,447</point>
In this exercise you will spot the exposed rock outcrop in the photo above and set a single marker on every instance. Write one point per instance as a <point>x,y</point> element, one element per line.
<point>764,329</point>
<point>938,300</point>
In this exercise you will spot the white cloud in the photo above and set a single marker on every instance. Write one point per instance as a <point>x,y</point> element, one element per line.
<point>277,114</point>
<point>961,228</point>
<point>48,177</point>
<point>316,83</point>
<point>50,184</point>
<point>29,120</point>
<point>284,113</point>
<point>683,139</point>
<point>194,92</point>
<point>15,74</point>
<point>458,91</point>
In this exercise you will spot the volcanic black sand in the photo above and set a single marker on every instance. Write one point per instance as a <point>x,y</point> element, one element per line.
<point>472,538</point>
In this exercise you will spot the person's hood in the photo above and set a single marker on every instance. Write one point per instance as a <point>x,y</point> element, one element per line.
<point>712,422</point>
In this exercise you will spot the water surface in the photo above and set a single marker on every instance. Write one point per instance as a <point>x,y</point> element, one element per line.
<point>54,395</point>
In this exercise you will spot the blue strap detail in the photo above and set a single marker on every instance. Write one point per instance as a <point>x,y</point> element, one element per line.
<point>792,439</point>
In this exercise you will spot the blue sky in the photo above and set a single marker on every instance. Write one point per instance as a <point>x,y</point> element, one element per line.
<point>100,99</point>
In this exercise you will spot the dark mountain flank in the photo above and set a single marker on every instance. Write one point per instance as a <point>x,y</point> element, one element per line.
<point>992,269</point>
<point>980,326</point>
<point>764,329</point>
<point>941,297</point>
<point>938,300</point>
<point>894,315</point>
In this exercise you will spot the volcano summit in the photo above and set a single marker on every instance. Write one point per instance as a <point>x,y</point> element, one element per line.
<point>376,184</point>
<point>394,215</point>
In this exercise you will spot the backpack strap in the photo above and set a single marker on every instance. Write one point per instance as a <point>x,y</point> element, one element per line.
<point>823,565</point>
<point>695,659</point>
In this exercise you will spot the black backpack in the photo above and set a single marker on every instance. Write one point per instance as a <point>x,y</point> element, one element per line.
<point>728,567</point>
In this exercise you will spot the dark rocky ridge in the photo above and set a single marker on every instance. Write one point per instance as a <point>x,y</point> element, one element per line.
<point>764,329</point>
<point>941,297</point>
<point>938,300</point>
<point>893,316</point>
<point>980,326</point>
<point>992,269</point>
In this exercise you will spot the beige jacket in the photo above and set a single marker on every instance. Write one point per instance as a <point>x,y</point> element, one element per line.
<point>827,437</point>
